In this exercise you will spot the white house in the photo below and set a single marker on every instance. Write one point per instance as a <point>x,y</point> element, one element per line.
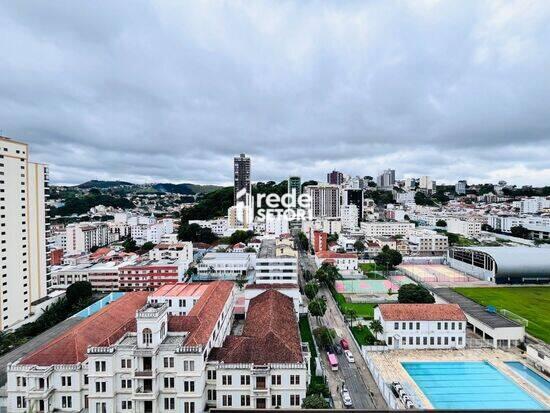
<point>422,326</point>
<point>345,262</point>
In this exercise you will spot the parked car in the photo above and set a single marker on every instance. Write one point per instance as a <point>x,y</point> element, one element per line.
<point>346,398</point>
<point>338,349</point>
<point>344,343</point>
<point>349,356</point>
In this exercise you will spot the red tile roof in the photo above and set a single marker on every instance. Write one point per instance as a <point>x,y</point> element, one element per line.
<point>181,289</point>
<point>270,333</point>
<point>202,319</point>
<point>335,255</point>
<point>421,312</point>
<point>102,328</point>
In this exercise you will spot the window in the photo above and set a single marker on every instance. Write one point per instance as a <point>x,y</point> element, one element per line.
<point>226,380</point>
<point>417,341</point>
<point>126,383</point>
<point>459,341</point>
<point>189,407</point>
<point>126,363</point>
<point>147,336</point>
<point>294,379</point>
<point>460,326</point>
<point>446,326</point>
<point>21,381</point>
<point>227,400</point>
<point>396,326</point>
<point>425,341</point>
<point>294,399</point>
<point>432,341</point>
<point>245,400</point>
<point>169,403</point>
<point>189,386</point>
<point>390,341</point>
<point>404,326</point>
<point>446,340</point>
<point>100,366</point>
<point>439,326</point>
<point>211,374</point>
<point>188,365</point>
<point>276,380</point>
<point>438,341</point>
<point>21,402</point>
<point>411,341</point>
<point>101,407</point>
<point>168,382</point>
<point>66,402</point>
<point>276,400</point>
<point>418,326</point>
<point>245,380</point>
<point>66,381</point>
<point>410,325</point>
<point>452,326</point>
<point>100,387</point>
<point>211,394</point>
<point>126,405</point>
<point>168,362</point>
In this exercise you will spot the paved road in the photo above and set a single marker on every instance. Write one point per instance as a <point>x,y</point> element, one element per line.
<point>33,344</point>
<point>363,390</point>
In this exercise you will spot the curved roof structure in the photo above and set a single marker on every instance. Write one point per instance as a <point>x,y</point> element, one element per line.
<point>518,261</point>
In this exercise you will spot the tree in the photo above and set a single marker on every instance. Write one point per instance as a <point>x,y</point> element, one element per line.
<point>195,233</point>
<point>241,280</point>
<point>327,274</point>
<point>359,246</point>
<point>311,289</point>
<point>520,231</point>
<point>317,308</point>
<point>318,388</point>
<point>376,327</point>
<point>332,237</point>
<point>314,401</point>
<point>129,245</point>
<point>302,241</point>
<point>352,314</point>
<point>388,258</point>
<point>414,294</point>
<point>148,246</point>
<point>441,223</point>
<point>420,198</point>
<point>77,291</point>
<point>325,336</point>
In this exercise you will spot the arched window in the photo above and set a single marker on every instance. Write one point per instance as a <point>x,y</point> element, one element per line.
<point>147,336</point>
<point>162,330</point>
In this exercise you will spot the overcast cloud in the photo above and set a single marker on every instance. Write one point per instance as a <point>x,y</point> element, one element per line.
<point>171,91</point>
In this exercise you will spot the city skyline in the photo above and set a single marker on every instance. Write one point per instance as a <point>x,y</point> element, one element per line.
<point>302,88</point>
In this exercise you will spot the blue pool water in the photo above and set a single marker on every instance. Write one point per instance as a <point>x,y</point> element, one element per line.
<point>469,385</point>
<point>98,305</point>
<point>532,377</point>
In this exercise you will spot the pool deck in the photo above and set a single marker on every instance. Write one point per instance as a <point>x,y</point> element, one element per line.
<point>389,365</point>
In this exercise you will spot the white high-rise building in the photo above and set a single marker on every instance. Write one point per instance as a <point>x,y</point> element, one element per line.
<point>325,200</point>
<point>83,236</point>
<point>350,217</point>
<point>386,179</point>
<point>23,233</point>
<point>426,184</point>
<point>460,187</point>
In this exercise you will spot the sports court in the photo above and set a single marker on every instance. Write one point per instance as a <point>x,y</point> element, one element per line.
<point>439,275</point>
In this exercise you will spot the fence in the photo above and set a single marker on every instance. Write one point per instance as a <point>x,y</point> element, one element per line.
<point>387,394</point>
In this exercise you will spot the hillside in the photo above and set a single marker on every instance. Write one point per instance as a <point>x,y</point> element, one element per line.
<point>94,183</point>
<point>185,188</point>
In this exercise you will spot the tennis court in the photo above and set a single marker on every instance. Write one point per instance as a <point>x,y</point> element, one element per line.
<point>439,275</point>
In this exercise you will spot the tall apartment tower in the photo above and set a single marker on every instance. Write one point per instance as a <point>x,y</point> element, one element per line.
<point>294,185</point>
<point>386,179</point>
<point>354,197</point>
<point>335,178</point>
<point>241,166</point>
<point>325,200</point>
<point>23,232</point>
<point>460,187</point>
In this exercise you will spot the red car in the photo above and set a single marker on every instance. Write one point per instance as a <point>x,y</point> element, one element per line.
<point>344,343</point>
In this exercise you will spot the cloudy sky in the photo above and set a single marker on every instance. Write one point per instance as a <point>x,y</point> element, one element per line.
<point>172,90</point>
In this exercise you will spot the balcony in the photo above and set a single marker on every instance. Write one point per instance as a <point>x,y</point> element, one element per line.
<point>145,373</point>
<point>40,392</point>
<point>146,393</point>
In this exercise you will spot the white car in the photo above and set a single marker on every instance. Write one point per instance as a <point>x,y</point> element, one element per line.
<point>349,356</point>
<point>346,398</point>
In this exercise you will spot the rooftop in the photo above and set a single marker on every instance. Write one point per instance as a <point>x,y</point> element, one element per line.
<point>102,328</point>
<point>270,333</point>
<point>181,290</point>
<point>421,312</point>
<point>334,255</point>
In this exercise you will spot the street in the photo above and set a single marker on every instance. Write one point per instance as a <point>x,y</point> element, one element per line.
<point>362,388</point>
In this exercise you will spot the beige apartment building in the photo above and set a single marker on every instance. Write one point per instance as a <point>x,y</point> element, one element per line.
<point>23,232</point>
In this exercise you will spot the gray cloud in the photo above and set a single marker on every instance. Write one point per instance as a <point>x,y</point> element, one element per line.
<point>171,91</point>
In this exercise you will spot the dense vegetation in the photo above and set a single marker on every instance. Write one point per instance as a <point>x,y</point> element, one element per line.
<point>414,294</point>
<point>212,205</point>
<point>82,204</point>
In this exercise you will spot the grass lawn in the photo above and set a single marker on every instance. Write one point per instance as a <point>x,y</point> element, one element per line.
<point>531,303</point>
<point>363,335</point>
<point>364,310</point>
<point>367,267</point>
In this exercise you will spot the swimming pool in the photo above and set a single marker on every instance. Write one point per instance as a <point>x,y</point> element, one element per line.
<point>532,377</point>
<point>98,305</point>
<point>468,385</point>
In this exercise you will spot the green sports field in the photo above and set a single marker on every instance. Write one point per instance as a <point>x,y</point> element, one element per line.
<point>531,303</point>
